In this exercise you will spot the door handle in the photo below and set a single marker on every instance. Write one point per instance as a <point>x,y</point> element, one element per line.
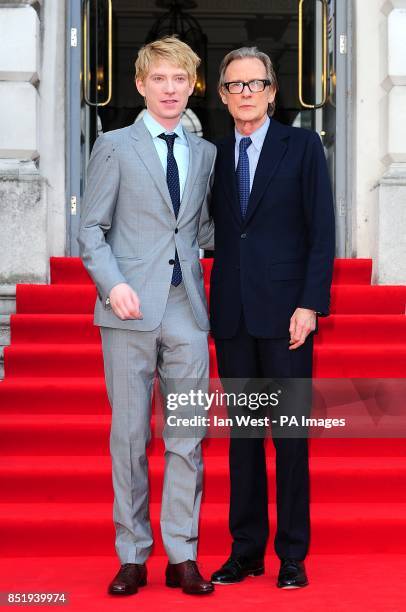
<point>86,38</point>
<point>324,52</point>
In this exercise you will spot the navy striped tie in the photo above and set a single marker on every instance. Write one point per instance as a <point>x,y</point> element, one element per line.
<point>243,175</point>
<point>172,178</point>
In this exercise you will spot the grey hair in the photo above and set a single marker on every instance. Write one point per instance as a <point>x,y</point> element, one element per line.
<point>242,53</point>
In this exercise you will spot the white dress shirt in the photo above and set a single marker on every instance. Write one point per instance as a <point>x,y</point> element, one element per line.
<point>254,150</point>
<point>180,147</point>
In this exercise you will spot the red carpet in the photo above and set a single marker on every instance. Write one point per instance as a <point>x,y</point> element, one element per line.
<point>339,583</point>
<point>56,529</point>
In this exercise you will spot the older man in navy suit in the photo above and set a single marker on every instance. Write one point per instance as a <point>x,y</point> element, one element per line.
<point>274,237</point>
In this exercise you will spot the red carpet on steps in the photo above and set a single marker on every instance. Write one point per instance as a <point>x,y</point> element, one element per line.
<point>56,531</point>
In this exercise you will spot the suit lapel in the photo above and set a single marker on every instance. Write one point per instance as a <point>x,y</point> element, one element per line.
<point>148,155</point>
<point>273,150</point>
<point>227,160</point>
<point>194,166</point>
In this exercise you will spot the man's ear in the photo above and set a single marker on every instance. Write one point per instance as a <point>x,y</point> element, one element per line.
<point>222,96</point>
<point>191,86</point>
<point>140,87</point>
<point>272,94</point>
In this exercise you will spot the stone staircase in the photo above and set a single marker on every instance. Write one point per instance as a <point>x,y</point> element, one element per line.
<point>7,307</point>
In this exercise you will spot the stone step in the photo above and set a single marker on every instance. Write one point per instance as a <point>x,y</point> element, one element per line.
<point>1,362</point>
<point>7,299</point>
<point>7,307</point>
<point>4,330</point>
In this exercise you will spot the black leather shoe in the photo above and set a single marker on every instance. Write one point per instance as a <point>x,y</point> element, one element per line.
<point>235,569</point>
<point>186,576</point>
<point>128,579</point>
<point>292,574</point>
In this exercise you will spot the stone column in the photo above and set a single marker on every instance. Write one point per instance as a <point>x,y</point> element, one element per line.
<point>390,261</point>
<point>22,202</point>
<point>32,138</point>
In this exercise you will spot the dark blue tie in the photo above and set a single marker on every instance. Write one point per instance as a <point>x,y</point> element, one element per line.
<point>243,175</point>
<point>172,178</point>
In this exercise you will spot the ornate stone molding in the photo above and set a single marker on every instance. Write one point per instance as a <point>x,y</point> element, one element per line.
<point>393,105</point>
<point>18,3</point>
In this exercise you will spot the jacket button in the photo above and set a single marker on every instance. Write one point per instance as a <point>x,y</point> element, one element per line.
<point>243,235</point>
<point>176,230</point>
<point>171,262</point>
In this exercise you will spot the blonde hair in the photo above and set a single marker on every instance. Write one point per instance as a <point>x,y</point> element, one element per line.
<point>168,48</point>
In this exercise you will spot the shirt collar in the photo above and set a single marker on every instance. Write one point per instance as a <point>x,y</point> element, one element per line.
<point>155,128</point>
<point>257,137</point>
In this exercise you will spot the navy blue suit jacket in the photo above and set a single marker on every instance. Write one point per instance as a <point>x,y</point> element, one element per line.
<point>281,255</point>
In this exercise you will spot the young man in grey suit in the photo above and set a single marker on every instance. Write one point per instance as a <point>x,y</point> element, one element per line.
<point>144,216</point>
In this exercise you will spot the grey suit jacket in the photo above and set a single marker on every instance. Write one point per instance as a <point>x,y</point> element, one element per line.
<point>129,232</point>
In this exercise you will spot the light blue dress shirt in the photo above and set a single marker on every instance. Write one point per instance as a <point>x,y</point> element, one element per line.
<point>254,150</point>
<point>180,148</point>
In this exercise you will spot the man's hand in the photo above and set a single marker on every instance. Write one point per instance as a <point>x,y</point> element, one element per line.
<point>124,302</point>
<point>302,322</point>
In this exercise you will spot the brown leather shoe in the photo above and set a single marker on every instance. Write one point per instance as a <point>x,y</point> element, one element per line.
<point>187,576</point>
<point>128,579</point>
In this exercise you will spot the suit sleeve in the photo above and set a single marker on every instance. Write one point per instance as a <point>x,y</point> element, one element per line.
<point>205,236</point>
<point>320,227</point>
<point>103,177</point>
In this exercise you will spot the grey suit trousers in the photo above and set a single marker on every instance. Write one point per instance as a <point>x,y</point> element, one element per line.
<point>176,350</point>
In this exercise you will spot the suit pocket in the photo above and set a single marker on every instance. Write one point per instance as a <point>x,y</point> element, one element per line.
<point>287,270</point>
<point>133,270</point>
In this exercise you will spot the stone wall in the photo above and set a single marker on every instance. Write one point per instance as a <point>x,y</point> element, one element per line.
<point>390,261</point>
<point>32,138</point>
<point>379,187</point>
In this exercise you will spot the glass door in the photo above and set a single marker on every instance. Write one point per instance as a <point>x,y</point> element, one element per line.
<point>324,92</point>
<point>90,77</point>
<point>97,67</point>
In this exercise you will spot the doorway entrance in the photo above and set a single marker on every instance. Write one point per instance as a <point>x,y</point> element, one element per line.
<point>309,42</point>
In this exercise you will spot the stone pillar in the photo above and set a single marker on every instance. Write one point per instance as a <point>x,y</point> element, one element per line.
<point>369,29</point>
<point>390,261</point>
<point>32,138</point>
<point>22,209</point>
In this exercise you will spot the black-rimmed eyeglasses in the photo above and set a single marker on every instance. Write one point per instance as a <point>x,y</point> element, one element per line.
<point>255,86</point>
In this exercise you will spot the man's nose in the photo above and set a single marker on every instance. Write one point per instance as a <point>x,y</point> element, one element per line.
<point>169,86</point>
<point>246,92</point>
